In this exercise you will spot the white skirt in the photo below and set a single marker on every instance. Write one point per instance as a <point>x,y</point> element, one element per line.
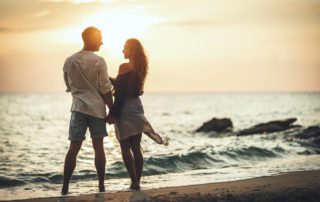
<point>133,122</point>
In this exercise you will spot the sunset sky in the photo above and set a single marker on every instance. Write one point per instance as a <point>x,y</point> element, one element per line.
<point>193,46</point>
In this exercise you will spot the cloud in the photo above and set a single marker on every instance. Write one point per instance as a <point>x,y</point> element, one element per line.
<point>41,13</point>
<point>3,29</point>
<point>81,1</point>
<point>188,23</point>
<point>33,15</point>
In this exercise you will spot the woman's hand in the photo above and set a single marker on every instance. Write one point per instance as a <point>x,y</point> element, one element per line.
<point>110,120</point>
<point>112,80</point>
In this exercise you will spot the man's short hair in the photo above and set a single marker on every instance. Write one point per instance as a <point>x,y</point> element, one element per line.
<point>89,34</point>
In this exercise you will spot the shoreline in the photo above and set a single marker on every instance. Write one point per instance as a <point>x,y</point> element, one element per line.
<point>292,186</point>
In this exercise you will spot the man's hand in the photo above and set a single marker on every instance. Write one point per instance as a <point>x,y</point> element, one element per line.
<point>110,120</point>
<point>108,99</point>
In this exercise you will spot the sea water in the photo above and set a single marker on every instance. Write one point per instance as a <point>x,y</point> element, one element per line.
<point>34,142</point>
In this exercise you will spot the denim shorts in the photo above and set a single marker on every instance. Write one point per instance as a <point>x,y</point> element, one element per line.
<point>79,122</point>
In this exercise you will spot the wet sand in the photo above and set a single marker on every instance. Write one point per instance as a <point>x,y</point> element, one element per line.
<point>295,186</point>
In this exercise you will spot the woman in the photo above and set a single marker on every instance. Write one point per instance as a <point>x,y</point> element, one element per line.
<point>127,110</point>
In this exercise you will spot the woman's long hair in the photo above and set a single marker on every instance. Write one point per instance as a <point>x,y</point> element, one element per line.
<point>140,60</point>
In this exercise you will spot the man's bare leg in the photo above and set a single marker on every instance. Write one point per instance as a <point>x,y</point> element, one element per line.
<point>70,164</point>
<point>100,161</point>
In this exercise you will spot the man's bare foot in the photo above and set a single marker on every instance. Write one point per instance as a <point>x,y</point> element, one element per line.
<point>64,190</point>
<point>102,188</point>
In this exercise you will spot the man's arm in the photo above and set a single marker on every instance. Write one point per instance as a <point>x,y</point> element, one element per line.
<point>105,85</point>
<point>109,102</point>
<point>108,99</point>
<point>65,76</point>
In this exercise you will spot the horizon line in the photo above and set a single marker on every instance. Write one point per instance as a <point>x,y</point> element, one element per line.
<point>173,92</point>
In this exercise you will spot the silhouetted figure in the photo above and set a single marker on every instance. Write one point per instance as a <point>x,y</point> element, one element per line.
<point>87,79</point>
<point>127,111</point>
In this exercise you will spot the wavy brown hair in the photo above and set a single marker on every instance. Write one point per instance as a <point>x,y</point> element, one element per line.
<point>140,60</point>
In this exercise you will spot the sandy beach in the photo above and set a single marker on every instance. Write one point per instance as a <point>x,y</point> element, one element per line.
<point>294,186</point>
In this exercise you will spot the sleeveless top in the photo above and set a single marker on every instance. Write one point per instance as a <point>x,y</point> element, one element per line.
<point>126,86</point>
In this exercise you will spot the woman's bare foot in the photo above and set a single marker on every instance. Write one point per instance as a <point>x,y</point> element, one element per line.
<point>135,186</point>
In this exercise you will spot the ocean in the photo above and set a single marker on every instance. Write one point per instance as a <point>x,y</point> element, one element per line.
<point>34,142</point>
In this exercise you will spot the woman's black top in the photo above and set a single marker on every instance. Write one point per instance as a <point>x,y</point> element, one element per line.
<point>126,86</point>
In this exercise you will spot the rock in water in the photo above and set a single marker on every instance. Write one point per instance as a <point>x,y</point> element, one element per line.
<point>217,125</point>
<point>310,132</point>
<point>269,127</point>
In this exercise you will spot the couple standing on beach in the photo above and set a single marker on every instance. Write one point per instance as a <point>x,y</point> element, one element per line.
<point>86,77</point>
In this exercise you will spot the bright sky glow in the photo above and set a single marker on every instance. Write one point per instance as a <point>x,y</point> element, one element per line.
<point>193,46</point>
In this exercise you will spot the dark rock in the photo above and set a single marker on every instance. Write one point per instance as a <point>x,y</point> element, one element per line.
<point>217,125</point>
<point>317,141</point>
<point>269,127</point>
<point>281,123</point>
<point>310,132</point>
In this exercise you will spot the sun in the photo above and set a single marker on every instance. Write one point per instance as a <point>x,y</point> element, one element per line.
<point>118,26</point>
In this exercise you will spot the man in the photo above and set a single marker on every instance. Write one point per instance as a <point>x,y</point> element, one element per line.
<point>87,79</point>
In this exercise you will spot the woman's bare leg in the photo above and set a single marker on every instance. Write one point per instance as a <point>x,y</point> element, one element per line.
<point>128,159</point>
<point>138,157</point>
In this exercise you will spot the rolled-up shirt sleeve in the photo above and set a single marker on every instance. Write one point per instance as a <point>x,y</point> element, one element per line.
<point>65,76</point>
<point>103,78</point>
